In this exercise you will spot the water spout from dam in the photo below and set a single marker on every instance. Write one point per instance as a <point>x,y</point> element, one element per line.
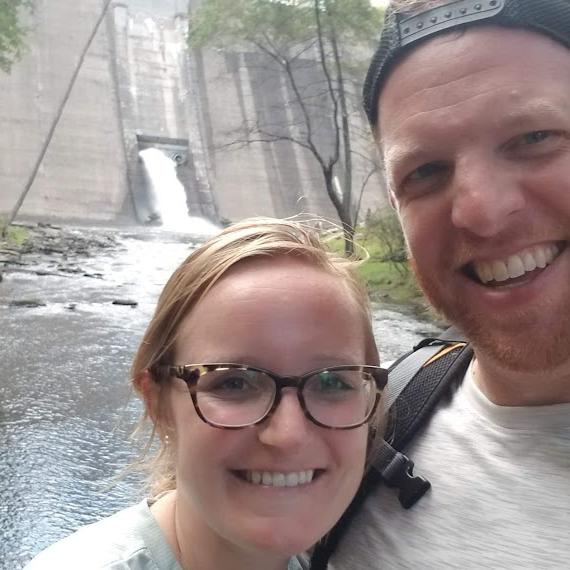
<point>170,195</point>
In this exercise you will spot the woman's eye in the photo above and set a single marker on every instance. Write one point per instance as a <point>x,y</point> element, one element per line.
<point>328,382</point>
<point>225,383</point>
<point>232,383</point>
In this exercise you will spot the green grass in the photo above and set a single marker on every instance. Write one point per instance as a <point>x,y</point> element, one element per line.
<point>386,281</point>
<point>15,235</point>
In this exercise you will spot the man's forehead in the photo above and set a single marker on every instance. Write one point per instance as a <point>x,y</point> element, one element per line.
<point>428,101</point>
<point>484,47</point>
<point>473,62</point>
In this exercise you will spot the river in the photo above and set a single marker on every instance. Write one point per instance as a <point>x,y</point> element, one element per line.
<point>66,411</point>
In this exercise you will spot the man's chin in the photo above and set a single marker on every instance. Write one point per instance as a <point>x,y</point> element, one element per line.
<point>509,342</point>
<point>516,351</point>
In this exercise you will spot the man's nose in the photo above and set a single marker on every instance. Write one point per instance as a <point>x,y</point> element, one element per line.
<point>486,196</point>
<point>288,426</point>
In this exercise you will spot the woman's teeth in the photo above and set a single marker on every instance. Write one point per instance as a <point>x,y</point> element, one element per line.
<point>538,256</point>
<point>276,479</point>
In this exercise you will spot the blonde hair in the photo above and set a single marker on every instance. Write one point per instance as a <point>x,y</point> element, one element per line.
<point>253,238</point>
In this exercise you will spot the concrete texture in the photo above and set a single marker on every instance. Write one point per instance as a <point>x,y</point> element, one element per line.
<point>141,84</point>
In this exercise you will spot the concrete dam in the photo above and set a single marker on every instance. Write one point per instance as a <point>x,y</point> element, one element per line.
<point>142,88</point>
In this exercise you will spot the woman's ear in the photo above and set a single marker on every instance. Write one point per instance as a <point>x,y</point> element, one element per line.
<point>149,389</point>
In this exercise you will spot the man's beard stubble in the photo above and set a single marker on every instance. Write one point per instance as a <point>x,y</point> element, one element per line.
<point>512,343</point>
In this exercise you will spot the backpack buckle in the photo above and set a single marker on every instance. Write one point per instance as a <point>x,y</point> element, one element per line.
<point>399,473</point>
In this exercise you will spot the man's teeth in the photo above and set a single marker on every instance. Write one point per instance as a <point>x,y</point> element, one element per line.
<point>516,265</point>
<point>271,479</point>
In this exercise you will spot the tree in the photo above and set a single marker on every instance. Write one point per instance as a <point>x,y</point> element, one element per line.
<point>315,45</point>
<point>12,32</point>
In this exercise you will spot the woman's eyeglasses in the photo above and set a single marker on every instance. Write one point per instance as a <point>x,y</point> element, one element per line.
<point>234,396</point>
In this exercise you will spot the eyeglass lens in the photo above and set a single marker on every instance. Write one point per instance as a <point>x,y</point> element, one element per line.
<point>235,397</point>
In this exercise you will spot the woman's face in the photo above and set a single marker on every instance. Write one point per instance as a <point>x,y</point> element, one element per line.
<point>288,317</point>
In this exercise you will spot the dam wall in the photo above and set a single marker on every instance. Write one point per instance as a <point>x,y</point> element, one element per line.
<point>141,86</point>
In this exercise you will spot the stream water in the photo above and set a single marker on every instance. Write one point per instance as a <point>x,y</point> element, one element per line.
<point>66,411</point>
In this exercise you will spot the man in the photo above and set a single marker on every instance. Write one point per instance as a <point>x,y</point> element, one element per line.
<point>470,104</point>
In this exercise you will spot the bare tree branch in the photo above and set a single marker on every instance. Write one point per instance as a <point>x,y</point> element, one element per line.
<point>324,66</point>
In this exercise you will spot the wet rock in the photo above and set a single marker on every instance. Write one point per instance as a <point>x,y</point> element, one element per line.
<point>51,250</point>
<point>70,269</point>
<point>9,251</point>
<point>44,272</point>
<point>127,302</point>
<point>60,248</point>
<point>28,303</point>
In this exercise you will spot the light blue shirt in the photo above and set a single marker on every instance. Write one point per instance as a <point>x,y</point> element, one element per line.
<point>128,540</point>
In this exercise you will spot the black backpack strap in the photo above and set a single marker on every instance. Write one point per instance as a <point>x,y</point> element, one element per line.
<point>410,412</point>
<point>416,398</point>
<point>434,381</point>
<point>404,370</point>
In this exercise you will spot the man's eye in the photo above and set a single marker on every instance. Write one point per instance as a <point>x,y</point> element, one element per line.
<point>425,171</point>
<point>423,180</point>
<point>535,143</point>
<point>535,137</point>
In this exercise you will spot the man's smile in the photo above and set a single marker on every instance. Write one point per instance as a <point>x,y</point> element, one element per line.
<point>516,268</point>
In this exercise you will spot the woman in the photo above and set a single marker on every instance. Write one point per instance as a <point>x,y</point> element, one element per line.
<point>259,374</point>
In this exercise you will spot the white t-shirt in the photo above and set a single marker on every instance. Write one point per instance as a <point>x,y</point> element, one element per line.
<point>500,496</point>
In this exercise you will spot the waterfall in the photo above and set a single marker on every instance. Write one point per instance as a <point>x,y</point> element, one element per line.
<point>170,195</point>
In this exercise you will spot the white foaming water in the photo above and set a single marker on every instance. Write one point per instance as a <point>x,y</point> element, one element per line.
<point>171,197</point>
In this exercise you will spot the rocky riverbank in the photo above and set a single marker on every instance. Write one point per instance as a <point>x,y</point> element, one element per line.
<point>48,249</point>
<point>45,249</point>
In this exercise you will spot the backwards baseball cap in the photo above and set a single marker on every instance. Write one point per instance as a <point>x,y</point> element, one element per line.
<point>405,31</point>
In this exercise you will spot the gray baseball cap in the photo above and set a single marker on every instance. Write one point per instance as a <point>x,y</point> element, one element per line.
<point>403,32</point>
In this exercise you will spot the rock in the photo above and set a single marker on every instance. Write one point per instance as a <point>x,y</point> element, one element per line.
<point>70,269</point>
<point>127,302</point>
<point>29,303</point>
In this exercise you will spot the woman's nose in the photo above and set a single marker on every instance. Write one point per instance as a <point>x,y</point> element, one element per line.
<point>287,427</point>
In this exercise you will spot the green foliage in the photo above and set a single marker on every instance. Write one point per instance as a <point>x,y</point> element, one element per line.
<point>12,235</point>
<point>281,23</point>
<point>222,23</point>
<point>382,228</point>
<point>12,32</point>
<point>316,46</point>
<point>385,271</point>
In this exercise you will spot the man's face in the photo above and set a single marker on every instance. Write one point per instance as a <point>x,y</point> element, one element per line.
<point>475,134</point>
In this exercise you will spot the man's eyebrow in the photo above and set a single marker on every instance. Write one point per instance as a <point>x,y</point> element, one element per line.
<point>402,153</point>
<point>533,111</point>
<point>526,113</point>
